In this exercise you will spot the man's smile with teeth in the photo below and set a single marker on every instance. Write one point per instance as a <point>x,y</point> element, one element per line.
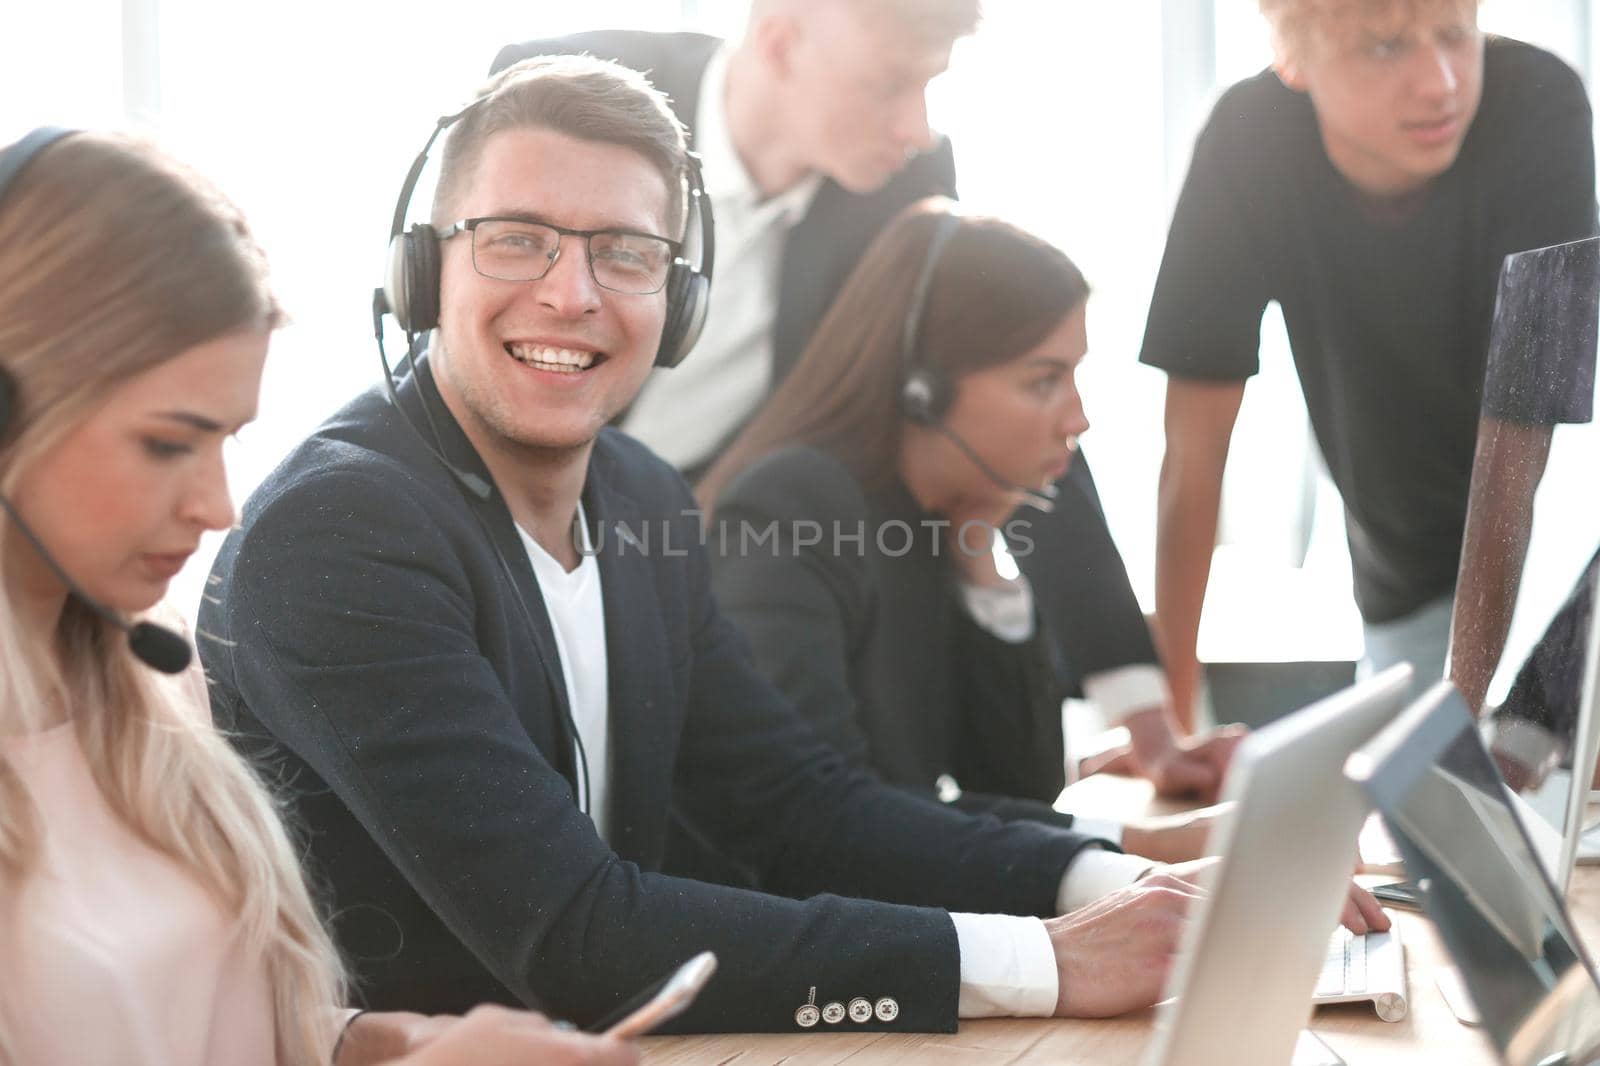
<point>547,357</point>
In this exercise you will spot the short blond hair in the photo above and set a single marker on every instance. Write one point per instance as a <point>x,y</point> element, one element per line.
<point>576,95</point>
<point>1297,24</point>
<point>928,21</point>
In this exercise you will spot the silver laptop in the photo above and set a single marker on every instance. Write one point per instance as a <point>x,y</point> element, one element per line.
<point>1287,851</point>
<point>1498,912</point>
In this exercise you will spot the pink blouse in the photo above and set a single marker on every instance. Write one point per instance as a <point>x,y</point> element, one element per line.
<point>113,953</point>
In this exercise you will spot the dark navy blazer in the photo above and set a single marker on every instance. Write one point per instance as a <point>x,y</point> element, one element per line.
<point>365,642</point>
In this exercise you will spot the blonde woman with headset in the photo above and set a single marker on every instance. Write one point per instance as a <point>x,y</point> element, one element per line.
<point>152,909</point>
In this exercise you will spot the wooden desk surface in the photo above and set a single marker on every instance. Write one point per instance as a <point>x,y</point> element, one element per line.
<point>1429,1033</point>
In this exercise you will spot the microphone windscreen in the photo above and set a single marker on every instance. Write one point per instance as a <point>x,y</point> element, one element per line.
<point>159,648</point>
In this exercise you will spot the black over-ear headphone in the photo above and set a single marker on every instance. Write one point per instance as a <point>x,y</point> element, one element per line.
<point>155,646</point>
<point>925,391</point>
<point>410,289</point>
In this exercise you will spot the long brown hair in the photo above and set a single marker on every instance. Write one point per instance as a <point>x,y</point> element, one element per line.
<point>114,259</point>
<point>996,292</point>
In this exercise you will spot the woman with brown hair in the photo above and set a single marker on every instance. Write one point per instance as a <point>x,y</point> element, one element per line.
<point>855,525</point>
<point>152,909</point>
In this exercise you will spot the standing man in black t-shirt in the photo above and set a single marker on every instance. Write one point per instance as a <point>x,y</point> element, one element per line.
<point>1371,184</point>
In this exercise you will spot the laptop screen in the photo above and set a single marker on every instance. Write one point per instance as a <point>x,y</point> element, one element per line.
<point>1533,476</point>
<point>1494,905</point>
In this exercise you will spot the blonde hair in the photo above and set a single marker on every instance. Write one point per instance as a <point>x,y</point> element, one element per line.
<point>1297,24</point>
<point>925,21</point>
<point>114,259</point>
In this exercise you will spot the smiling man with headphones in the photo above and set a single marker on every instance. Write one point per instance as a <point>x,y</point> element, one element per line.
<point>485,694</point>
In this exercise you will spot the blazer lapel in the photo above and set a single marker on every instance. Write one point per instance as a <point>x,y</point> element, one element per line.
<point>639,670</point>
<point>416,390</point>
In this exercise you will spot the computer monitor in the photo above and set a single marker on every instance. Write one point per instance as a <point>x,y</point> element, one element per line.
<point>1494,904</point>
<point>1535,449</point>
<point>1288,849</point>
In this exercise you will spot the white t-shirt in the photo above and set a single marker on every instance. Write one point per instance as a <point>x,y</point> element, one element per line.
<point>578,617</point>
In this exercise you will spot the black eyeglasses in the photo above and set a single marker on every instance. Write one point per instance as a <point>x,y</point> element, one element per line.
<point>518,249</point>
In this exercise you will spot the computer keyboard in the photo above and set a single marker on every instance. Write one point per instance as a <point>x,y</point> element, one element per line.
<point>1344,968</point>
<point>1364,968</point>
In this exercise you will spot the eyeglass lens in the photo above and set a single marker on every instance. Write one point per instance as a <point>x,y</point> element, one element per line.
<point>524,251</point>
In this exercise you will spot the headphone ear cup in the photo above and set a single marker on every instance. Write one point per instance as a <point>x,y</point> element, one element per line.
<point>8,400</point>
<point>925,396</point>
<point>688,300</point>
<point>411,280</point>
<point>394,285</point>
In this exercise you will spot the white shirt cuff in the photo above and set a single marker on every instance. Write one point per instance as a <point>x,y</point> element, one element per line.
<point>1008,966</point>
<point>1101,828</point>
<point>1005,610</point>
<point>1120,692</point>
<point>1097,872</point>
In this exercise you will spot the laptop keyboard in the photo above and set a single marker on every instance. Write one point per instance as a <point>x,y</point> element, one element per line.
<point>1344,968</point>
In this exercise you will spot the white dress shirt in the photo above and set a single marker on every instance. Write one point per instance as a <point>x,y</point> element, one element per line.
<point>1007,964</point>
<point>685,412</point>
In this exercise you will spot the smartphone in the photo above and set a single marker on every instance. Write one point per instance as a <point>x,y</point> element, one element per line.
<point>664,1000</point>
<point>1399,894</point>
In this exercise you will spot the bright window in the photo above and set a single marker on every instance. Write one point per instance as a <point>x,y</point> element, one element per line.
<point>308,114</point>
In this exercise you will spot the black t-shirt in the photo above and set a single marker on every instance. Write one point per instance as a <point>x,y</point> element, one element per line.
<point>1388,320</point>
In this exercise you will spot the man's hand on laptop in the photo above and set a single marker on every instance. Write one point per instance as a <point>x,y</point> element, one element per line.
<point>1113,955</point>
<point>1174,837</point>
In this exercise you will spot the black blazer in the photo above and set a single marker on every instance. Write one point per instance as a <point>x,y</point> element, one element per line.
<point>853,610</point>
<point>365,638</point>
<point>1077,573</point>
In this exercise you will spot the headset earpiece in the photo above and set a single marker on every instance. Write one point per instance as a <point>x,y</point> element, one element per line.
<point>925,392</point>
<point>688,298</point>
<point>689,285</point>
<point>925,396</point>
<point>411,279</point>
